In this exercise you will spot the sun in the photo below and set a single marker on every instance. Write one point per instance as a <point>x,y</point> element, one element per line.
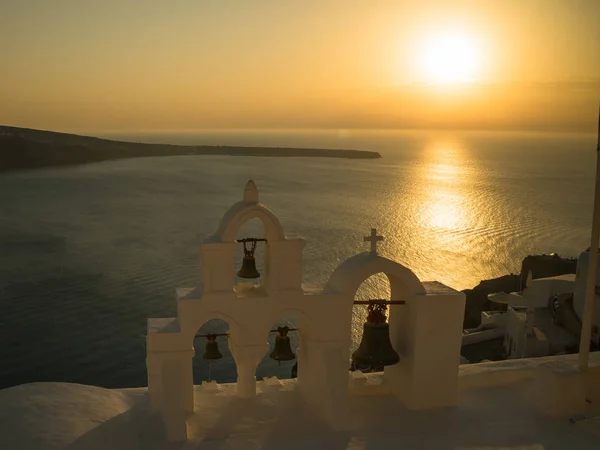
<point>449,58</point>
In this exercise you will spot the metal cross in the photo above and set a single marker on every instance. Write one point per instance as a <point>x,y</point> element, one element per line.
<point>373,239</point>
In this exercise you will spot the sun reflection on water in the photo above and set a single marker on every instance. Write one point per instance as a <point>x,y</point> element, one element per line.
<point>443,172</point>
<point>443,175</point>
<point>445,213</point>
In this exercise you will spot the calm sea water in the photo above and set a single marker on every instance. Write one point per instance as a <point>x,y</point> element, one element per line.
<point>88,253</point>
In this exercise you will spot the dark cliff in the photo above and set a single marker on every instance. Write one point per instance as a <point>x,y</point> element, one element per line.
<point>541,266</point>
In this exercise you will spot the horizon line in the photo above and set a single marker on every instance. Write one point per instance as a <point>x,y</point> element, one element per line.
<point>257,130</point>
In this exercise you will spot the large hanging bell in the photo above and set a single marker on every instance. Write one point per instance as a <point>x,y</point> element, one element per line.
<point>248,269</point>
<point>283,349</point>
<point>212,348</point>
<point>375,349</point>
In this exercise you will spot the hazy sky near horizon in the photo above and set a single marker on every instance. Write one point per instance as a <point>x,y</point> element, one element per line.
<point>115,65</point>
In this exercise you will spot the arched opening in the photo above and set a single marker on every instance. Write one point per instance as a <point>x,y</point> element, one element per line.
<point>254,228</point>
<point>269,367</point>
<point>240,213</point>
<point>222,370</point>
<point>377,286</point>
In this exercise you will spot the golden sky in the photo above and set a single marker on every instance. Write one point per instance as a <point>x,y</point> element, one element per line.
<point>126,65</point>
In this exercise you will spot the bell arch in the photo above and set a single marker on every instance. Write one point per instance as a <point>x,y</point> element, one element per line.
<point>202,370</point>
<point>268,367</point>
<point>227,231</point>
<point>243,211</point>
<point>349,275</point>
<point>304,332</point>
<point>404,285</point>
<point>282,256</point>
<point>236,331</point>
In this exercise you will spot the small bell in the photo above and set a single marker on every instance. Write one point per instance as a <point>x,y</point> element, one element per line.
<point>375,349</point>
<point>282,350</point>
<point>212,348</point>
<point>248,269</point>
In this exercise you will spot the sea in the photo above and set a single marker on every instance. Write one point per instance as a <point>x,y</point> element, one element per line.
<point>88,253</point>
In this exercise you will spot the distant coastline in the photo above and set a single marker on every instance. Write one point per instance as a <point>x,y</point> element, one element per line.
<point>24,148</point>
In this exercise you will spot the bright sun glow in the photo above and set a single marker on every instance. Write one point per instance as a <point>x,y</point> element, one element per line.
<point>450,58</point>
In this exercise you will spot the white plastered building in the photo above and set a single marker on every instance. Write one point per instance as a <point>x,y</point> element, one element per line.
<point>579,297</point>
<point>426,331</point>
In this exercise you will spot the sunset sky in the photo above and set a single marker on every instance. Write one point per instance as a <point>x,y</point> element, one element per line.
<point>114,65</point>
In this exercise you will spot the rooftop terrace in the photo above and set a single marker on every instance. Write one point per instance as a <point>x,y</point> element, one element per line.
<point>514,404</point>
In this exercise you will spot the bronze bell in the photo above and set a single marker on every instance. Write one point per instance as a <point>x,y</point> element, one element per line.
<point>282,350</point>
<point>248,269</point>
<point>212,348</point>
<point>375,349</point>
